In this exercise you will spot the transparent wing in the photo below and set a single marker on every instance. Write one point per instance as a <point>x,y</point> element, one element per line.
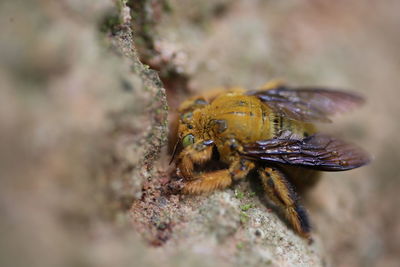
<point>320,152</point>
<point>307,104</point>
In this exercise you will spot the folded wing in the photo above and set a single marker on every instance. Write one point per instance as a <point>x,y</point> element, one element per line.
<point>319,151</point>
<point>307,104</point>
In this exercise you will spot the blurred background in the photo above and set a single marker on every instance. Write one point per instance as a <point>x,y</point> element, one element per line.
<point>82,120</point>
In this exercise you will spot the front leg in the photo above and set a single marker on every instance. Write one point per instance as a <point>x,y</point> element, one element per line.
<point>211,181</point>
<point>198,153</point>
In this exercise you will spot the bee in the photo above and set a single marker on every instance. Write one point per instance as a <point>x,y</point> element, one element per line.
<point>269,131</point>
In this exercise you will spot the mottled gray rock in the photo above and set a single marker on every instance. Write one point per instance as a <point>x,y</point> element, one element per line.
<point>84,180</point>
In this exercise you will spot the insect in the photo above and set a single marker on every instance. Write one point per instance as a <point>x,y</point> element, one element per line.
<point>269,131</point>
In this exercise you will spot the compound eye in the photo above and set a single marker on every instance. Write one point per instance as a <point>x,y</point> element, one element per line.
<point>188,140</point>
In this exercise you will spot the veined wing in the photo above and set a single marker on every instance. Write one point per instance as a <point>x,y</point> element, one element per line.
<point>319,151</point>
<point>307,104</point>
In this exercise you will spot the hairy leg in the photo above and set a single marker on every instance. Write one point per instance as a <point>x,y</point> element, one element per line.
<point>198,153</point>
<point>220,179</point>
<point>280,191</point>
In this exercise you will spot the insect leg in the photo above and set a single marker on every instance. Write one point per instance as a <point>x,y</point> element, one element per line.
<point>280,191</point>
<point>240,168</point>
<point>208,182</point>
<point>198,153</point>
<point>220,179</point>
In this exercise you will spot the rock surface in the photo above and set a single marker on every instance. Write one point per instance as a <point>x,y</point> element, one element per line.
<point>84,176</point>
